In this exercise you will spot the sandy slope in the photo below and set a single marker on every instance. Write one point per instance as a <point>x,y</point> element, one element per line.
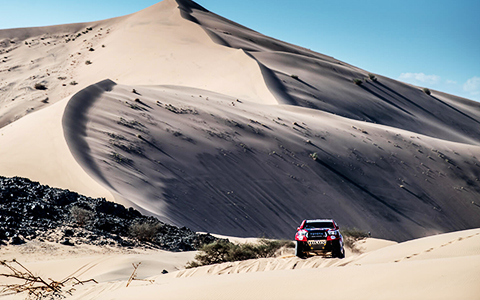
<point>153,46</point>
<point>196,119</point>
<point>35,147</point>
<point>207,145</point>
<point>298,76</point>
<point>212,163</point>
<point>429,268</point>
<point>55,57</point>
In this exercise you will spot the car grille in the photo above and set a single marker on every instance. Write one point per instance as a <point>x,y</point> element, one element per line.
<point>316,235</point>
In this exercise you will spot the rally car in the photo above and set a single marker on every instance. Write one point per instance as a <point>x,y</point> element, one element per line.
<point>320,236</point>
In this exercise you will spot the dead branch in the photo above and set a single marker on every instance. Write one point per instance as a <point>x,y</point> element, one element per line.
<point>35,285</point>
<point>134,275</point>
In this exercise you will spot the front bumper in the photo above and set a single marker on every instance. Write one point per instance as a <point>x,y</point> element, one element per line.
<point>319,245</point>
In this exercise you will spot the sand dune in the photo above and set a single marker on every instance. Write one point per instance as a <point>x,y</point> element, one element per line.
<point>207,124</point>
<point>220,137</point>
<point>428,268</point>
<point>35,147</point>
<point>241,168</point>
<point>153,46</point>
<point>325,83</point>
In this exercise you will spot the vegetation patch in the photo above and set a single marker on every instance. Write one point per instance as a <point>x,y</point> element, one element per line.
<point>134,124</point>
<point>40,86</point>
<point>352,235</point>
<point>117,157</point>
<point>115,136</point>
<point>144,232</point>
<point>357,81</point>
<point>133,105</point>
<point>180,110</point>
<point>81,215</point>
<point>224,251</point>
<point>129,148</point>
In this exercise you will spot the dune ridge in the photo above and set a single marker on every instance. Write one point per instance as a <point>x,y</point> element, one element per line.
<point>324,83</point>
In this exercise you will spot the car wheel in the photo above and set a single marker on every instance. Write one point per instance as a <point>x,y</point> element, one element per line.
<point>299,249</point>
<point>338,251</point>
<point>341,253</point>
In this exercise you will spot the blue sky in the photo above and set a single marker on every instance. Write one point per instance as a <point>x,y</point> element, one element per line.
<point>430,43</point>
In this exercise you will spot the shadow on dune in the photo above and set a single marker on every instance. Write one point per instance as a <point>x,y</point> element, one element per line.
<point>246,170</point>
<point>75,119</point>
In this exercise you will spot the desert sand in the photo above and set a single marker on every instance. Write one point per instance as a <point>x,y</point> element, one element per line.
<point>221,132</point>
<point>438,267</point>
<point>204,123</point>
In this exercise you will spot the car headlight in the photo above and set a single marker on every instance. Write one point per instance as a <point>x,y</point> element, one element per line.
<point>301,233</point>
<point>333,232</point>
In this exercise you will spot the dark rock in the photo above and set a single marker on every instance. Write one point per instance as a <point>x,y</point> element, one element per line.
<point>16,240</point>
<point>164,272</point>
<point>68,232</point>
<point>67,242</point>
<point>36,211</point>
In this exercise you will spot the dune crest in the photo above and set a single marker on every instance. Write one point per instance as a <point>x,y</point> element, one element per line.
<point>153,46</point>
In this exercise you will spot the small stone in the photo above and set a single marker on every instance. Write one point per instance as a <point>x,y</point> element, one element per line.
<point>16,240</point>
<point>67,242</point>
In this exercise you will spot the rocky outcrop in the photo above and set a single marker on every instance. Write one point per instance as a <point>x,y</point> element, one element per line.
<point>29,211</point>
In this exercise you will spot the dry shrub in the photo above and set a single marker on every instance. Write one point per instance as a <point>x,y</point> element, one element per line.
<point>352,235</point>
<point>40,86</point>
<point>81,215</point>
<point>144,231</point>
<point>225,251</point>
<point>357,81</point>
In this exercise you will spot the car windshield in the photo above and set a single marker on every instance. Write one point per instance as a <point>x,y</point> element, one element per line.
<point>319,225</point>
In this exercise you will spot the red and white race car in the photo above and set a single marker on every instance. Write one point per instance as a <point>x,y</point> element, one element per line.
<point>319,236</point>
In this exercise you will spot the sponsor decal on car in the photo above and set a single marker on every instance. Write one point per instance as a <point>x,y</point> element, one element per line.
<point>317,242</point>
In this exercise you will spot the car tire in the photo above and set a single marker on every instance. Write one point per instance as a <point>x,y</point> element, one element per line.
<point>299,249</point>
<point>338,251</point>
